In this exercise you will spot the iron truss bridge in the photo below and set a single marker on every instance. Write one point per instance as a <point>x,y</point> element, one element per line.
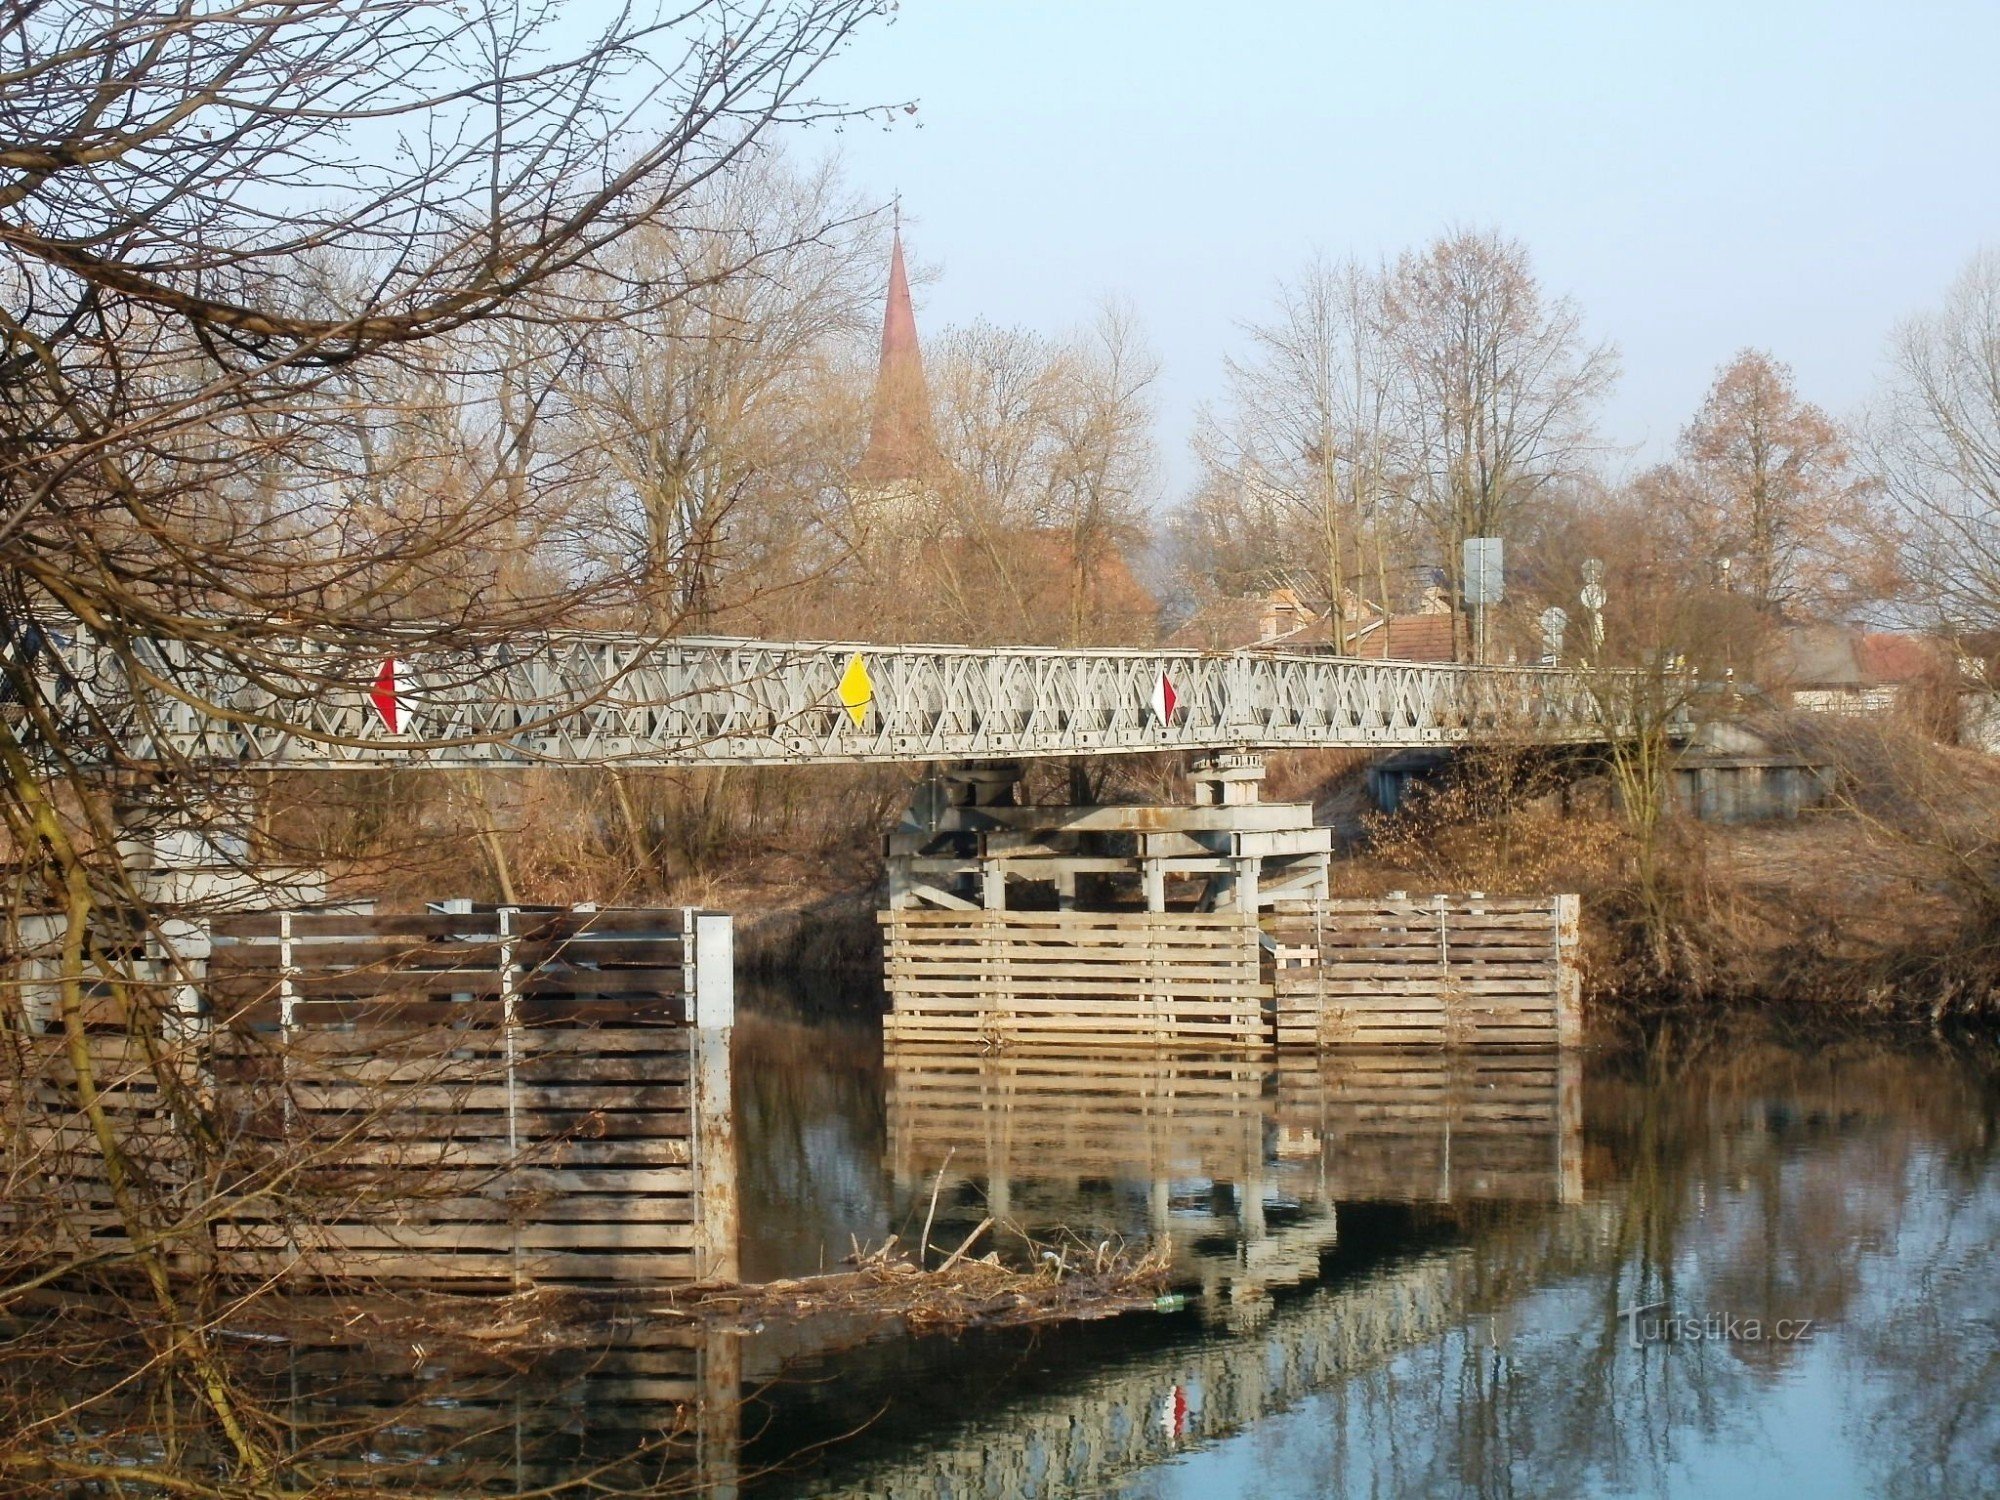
<point>603,700</point>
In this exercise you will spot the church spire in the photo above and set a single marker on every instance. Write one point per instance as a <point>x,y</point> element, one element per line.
<point>899,433</point>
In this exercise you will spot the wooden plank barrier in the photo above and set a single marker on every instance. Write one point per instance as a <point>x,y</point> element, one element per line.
<point>503,1097</point>
<point>471,1151</point>
<point>1450,971</point>
<point>1072,978</point>
<point>58,1190</point>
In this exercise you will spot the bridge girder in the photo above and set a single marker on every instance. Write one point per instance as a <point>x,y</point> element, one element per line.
<point>599,699</point>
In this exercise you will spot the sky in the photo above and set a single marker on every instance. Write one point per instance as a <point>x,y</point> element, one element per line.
<point>1698,177</point>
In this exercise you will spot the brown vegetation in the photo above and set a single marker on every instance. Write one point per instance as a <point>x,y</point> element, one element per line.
<point>1881,905</point>
<point>968,1287</point>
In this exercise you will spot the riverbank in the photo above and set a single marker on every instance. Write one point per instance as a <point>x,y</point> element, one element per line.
<point>1882,908</point>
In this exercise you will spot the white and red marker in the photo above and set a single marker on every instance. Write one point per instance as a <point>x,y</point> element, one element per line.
<point>389,696</point>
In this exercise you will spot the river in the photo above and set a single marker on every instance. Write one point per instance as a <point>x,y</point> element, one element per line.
<point>1732,1263</point>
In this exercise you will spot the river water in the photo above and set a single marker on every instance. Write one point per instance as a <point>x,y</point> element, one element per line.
<point>1730,1265</point>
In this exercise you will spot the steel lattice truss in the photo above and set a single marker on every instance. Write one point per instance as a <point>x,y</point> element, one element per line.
<point>593,700</point>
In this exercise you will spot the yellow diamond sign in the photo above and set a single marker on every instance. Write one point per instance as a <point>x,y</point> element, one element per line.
<point>857,690</point>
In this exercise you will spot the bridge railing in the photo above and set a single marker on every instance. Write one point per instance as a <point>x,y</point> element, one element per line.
<point>595,698</point>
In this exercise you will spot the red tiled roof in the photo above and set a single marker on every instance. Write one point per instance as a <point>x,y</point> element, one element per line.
<point>1408,638</point>
<point>1884,657</point>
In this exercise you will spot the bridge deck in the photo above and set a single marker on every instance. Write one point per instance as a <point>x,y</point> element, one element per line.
<point>600,699</point>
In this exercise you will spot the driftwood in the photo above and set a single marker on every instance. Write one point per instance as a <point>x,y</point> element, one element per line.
<point>1064,1283</point>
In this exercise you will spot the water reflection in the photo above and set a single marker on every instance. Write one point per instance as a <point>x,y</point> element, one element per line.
<point>353,1393</point>
<point>1239,1163</point>
<point>809,1113</point>
<point>1414,1270</point>
<point>1406,1272</point>
<point>1849,1190</point>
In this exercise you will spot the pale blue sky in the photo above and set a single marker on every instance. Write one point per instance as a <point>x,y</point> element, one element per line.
<point>1698,176</point>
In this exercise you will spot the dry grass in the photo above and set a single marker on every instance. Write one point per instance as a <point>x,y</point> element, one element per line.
<point>1884,904</point>
<point>1887,904</point>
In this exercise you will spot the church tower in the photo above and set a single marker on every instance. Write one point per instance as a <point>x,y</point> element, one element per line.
<point>889,485</point>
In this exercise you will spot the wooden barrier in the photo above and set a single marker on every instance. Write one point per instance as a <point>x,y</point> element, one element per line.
<point>476,1151</point>
<point>1452,971</point>
<point>1071,978</point>
<point>503,1096</point>
<point>58,1191</point>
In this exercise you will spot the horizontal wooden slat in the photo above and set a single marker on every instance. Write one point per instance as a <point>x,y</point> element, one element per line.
<point>595,1042</point>
<point>343,1095</point>
<point>446,1016</point>
<point>354,953</point>
<point>347,925</point>
<point>1074,920</point>
<point>448,1238</point>
<point>490,1266</point>
<point>543,1208</point>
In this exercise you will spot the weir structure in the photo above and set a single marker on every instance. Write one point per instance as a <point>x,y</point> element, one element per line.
<point>1206,922</point>
<point>318,997</point>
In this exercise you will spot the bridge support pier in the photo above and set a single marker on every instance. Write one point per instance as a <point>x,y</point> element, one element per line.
<point>187,857</point>
<point>969,843</point>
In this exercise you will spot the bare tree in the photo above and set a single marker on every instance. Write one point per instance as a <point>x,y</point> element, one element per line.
<point>1311,430</point>
<point>1101,464</point>
<point>264,268</point>
<point>1936,443</point>
<point>1037,495</point>
<point>710,406</point>
<point>1499,385</point>
<point>1773,485</point>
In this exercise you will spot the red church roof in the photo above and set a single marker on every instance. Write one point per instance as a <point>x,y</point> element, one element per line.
<point>899,435</point>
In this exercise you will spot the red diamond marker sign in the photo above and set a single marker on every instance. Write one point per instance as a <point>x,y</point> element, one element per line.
<point>1164,699</point>
<point>388,696</point>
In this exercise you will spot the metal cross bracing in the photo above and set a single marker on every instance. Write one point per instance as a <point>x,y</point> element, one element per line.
<point>601,699</point>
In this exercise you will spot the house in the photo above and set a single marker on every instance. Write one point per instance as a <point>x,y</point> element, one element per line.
<point>1838,669</point>
<point>1279,621</point>
<point>1424,637</point>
